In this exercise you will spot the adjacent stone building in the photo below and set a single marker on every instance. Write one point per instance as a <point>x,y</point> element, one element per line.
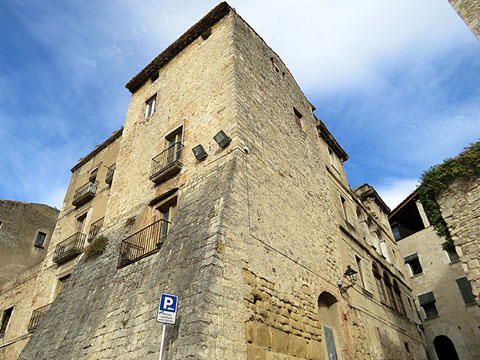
<point>231,194</point>
<point>469,11</point>
<point>443,293</point>
<point>25,233</point>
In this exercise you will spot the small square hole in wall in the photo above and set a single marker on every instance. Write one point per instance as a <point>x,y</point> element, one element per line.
<point>275,66</point>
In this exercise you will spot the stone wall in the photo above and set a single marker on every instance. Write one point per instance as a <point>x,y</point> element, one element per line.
<point>21,223</point>
<point>455,319</point>
<point>460,207</point>
<point>469,11</point>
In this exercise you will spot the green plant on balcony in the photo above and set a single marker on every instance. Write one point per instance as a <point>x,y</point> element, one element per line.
<point>97,247</point>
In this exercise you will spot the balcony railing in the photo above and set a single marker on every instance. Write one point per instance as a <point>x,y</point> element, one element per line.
<point>143,242</point>
<point>167,163</point>
<point>37,316</point>
<point>69,248</point>
<point>94,229</point>
<point>110,172</point>
<point>84,193</point>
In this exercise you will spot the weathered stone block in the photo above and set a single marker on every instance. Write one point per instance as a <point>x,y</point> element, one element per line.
<point>279,341</point>
<point>297,346</point>
<point>262,335</point>
<point>255,352</point>
<point>315,350</point>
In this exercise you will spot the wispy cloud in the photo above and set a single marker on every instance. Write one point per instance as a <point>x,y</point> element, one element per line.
<point>395,190</point>
<point>394,80</point>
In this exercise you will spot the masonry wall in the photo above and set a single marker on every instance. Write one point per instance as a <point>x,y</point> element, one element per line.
<point>469,11</point>
<point>21,223</point>
<point>460,207</point>
<point>456,320</point>
<point>194,90</point>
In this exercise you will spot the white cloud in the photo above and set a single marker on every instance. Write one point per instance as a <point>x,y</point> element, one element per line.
<point>396,190</point>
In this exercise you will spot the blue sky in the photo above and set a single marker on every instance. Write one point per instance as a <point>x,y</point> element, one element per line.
<point>397,82</point>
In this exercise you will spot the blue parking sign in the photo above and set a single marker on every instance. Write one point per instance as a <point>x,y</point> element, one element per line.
<point>167,309</point>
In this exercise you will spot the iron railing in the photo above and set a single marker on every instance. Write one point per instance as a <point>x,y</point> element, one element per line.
<point>110,172</point>
<point>143,242</point>
<point>37,316</point>
<point>166,159</point>
<point>85,193</point>
<point>69,247</point>
<point>94,229</point>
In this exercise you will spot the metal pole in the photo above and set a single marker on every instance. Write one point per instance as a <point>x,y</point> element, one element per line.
<point>161,344</point>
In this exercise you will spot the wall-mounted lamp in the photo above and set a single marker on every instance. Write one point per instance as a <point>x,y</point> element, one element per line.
<point>222,139</point>
<point>352,277</point>
<point>199,152</point>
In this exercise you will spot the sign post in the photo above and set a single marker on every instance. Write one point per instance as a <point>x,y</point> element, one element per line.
<point>167,312</point>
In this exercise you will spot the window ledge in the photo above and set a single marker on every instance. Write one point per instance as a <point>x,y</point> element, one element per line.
<point>39,246</point>
<point>432,317</point>
<point>416,275</point>
<point>454,261</point>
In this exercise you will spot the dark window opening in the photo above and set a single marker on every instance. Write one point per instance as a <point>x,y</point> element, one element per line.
<point>414,264</point>
<point>5,319</point>
<point>451,252</point>
<point>407,347</point>
<point>39,241</point>
<point>406,220</point>
<point>298,117</point>
<point>427,302</point>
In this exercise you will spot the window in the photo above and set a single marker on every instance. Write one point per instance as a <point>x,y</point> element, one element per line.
<point>398,298</point>
<point>174,146</point>
<point>40,239</point>
<point>466,290</point>
<point>427,302</point>
<point>360,271</point>
<point>451,252</point>
<point>93,175</point>
<point>378,281</point>
<point>5,319</point>
<point>275,66</point>
<point>1,223</point>
<point>298,118</point>
<point>150,108</point>
<point>414,263</point>
<point>166,211</point>
<point>60,284</point>
<point>388,287</point>
<point>333,161</point>
<point>344,207</point>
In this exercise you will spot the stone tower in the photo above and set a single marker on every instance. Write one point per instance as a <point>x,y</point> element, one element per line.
<point>253,238</point>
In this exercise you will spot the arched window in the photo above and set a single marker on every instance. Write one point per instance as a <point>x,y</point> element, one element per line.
<point>398,297</point>
<point>388,287</point>
<point>378,281</point>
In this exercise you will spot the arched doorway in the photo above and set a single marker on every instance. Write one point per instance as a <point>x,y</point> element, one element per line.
<point>444,348</point>
<point>328,314</point>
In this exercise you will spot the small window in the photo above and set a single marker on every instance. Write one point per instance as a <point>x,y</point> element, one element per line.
<point>333,160</point>
<point>298,118</point>
<point>344,207</point>
<point>275,66</point>
<point>5,319</point>
<point>450,250</point>
<point>360,270</point>
<point>398,297</point>
<point>40,239</point>
<point>466,290</point>
<point>388,286</point>
<point>1,223</point>
<point>414,264</point>
<point>150,106</point>
<point>167,212</point>
<point>427,302</point>
<point>378,281</point>
<point>60,284</point>
<point>407,348</point>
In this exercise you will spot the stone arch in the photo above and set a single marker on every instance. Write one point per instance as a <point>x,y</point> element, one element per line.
<point>329,316</point>
<point>444,348</point>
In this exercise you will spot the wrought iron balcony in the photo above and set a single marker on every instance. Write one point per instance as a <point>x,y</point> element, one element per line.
<point>84,193</point>
<point>94,229</point>
<point>110,172</point>
<point>143,242</point>
<point>167,163</point>
<point>69,248</point>
<point>37,316</point>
